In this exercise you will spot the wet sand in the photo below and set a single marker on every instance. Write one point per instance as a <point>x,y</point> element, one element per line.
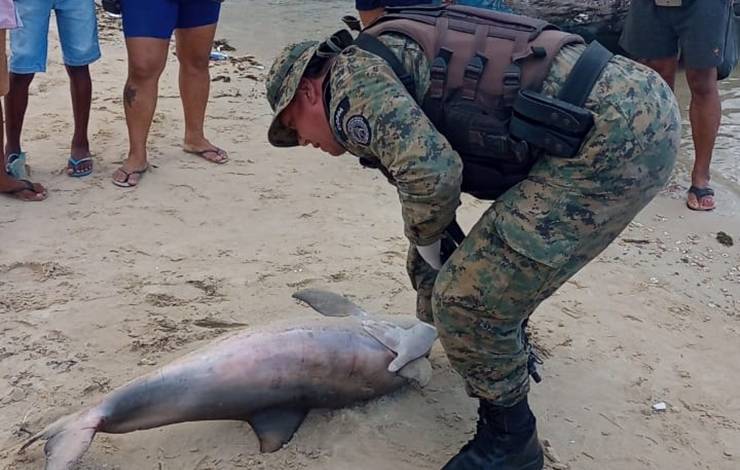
<point>100,284</point>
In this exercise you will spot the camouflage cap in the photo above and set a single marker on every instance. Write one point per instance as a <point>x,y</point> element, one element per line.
<point>282,82</point>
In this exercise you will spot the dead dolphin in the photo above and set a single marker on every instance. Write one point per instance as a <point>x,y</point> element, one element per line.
<point>270,378</point>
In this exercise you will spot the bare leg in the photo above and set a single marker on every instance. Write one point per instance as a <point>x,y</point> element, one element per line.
<point>147,58</point>
<point>705,114</point>
<point>665,67</point>
<point>80,86</point>
<point>193,50</point>
<point>16,103</point>
<point>16,188</point>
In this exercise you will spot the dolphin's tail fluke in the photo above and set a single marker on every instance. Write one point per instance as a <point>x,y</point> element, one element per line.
<point>67,439</point>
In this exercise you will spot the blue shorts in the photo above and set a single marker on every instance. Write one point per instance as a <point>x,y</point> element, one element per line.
<point>159,18</point>
<point>78,34</point>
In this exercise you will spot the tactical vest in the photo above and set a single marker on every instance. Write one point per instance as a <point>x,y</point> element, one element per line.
<point>486,71</point>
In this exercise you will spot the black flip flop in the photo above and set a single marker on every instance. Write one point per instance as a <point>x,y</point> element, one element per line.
<point>700,194</point>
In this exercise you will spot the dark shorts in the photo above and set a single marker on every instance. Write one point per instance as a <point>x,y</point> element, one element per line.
<point>699,28</point>
<point>159,18</point>
<point>364,5</point>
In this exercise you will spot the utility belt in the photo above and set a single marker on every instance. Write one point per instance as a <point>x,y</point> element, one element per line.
<point>559,125</point>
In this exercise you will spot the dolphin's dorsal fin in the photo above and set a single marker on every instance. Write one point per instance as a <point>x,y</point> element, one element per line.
<point>408,344</point>
<point>418,370</point>
<point>275,426</point>
<point>329,304</point>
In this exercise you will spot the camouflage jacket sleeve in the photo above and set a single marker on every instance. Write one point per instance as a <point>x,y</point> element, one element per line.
<point>374,117</point>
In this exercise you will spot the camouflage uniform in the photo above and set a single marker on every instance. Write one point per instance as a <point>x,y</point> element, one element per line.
<point>536,235</point>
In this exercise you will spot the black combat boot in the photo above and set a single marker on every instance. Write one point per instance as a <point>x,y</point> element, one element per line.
<point>506,439</point>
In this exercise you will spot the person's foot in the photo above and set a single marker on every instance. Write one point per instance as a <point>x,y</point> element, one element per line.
<point>80,165</point>
<point>206,150</point>
<point>16,166</point>
<point>700,198</point>
<point>129,175</point>
<point>22,189</point>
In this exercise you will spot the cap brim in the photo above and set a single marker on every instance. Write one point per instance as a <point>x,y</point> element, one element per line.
<point>279,135</point>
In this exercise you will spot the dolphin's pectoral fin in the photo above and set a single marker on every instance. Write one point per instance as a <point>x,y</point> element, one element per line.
<point>275,427</point>
<point>418,370</point>
<point>408,345</point>
<point>329,304</point>
<point>387,333</point>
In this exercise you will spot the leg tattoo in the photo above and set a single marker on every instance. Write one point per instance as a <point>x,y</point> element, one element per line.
<point>129,95</point>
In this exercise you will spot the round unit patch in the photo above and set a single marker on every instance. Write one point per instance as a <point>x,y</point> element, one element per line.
<point>358,130</point>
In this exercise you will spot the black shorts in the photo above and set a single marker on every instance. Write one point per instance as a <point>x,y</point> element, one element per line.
<point>698,28</point>
<point>365,5</point>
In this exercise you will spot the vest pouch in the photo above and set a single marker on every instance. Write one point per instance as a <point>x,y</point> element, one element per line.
<point>555,126</point>
<point>478,130</point>
<point>486,182</point>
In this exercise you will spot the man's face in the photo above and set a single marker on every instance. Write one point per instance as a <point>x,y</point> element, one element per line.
<point>307,117</point>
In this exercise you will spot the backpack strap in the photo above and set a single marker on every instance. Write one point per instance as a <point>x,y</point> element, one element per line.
<point>374,46</point>
<point>584,74</point>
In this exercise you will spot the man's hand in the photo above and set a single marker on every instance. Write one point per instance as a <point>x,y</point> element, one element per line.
<point>431,254</point>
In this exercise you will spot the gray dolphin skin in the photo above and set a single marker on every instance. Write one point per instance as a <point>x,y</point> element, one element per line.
<point>268,377</point>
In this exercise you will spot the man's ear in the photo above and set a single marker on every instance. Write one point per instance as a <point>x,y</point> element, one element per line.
<point>311,90</point>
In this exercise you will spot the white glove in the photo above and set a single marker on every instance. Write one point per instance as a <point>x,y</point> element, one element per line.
<point>431,255</point>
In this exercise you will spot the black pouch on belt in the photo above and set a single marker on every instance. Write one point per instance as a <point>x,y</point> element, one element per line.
<point>560,125</point>
<point>550,124</point>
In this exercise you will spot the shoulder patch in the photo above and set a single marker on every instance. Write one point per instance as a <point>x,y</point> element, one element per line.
<point>339,113</point>
<point>358,130</point>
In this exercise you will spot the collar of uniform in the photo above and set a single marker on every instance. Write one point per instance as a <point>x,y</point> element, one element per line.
<point>335,122</point>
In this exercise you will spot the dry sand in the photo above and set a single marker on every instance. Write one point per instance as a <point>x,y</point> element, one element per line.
<point>99,285</point>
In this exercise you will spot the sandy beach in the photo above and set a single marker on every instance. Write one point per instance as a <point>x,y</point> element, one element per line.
<point>99,285</point>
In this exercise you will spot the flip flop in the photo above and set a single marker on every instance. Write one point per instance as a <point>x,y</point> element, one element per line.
<point>16,166</point>
<point>218,151</point>
<point>125,183</point>
<point>700,193</point>
<point>75,166</point>
<point>27,186</point>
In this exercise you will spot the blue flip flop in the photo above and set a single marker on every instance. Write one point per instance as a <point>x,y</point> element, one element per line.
<point>16,166</point>
<point>74,165</point>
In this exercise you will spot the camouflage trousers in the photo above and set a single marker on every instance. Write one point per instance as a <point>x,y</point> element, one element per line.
<point>546,228</point>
